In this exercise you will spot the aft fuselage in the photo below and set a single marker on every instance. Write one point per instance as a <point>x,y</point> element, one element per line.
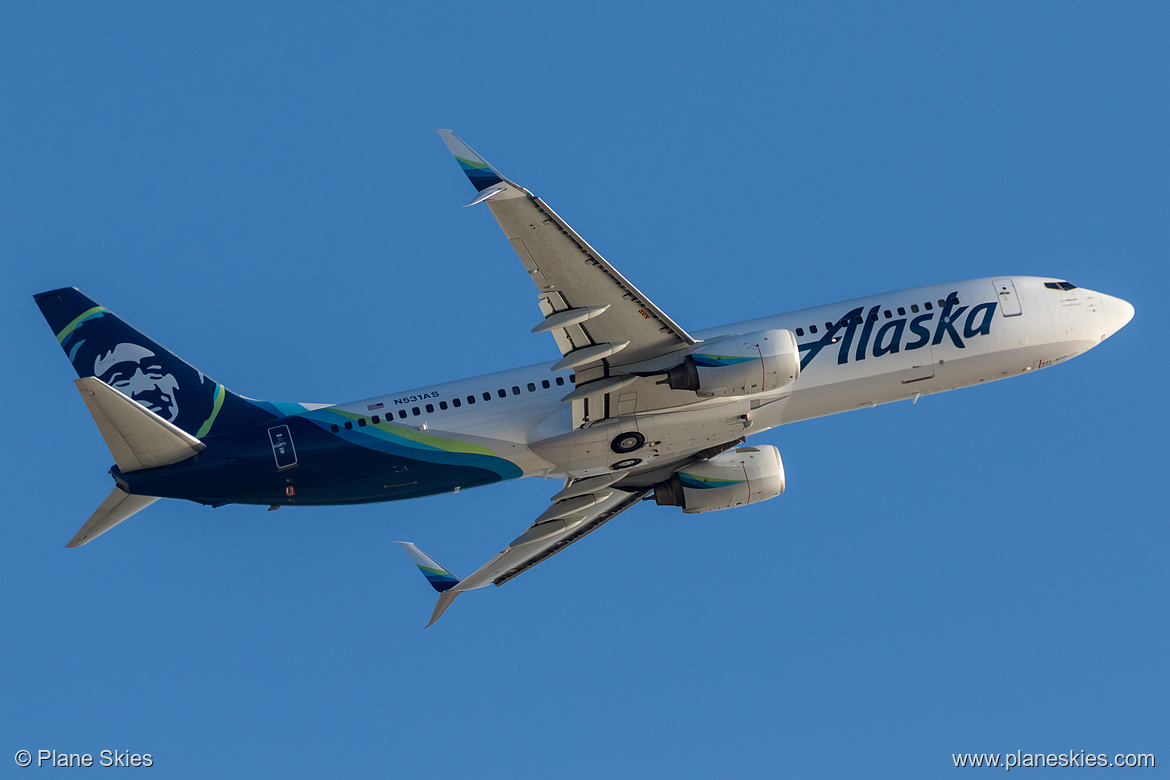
<point>455,435</point>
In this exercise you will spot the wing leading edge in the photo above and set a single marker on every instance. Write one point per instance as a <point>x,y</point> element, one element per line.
<point>566,521</point>
<point>595,314</point>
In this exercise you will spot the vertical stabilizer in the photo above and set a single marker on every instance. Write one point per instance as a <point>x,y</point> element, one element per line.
<point>100,344</point>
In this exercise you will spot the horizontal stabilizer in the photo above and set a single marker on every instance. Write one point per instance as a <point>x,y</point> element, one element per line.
<point>117,507</point>
<point>137,437</point>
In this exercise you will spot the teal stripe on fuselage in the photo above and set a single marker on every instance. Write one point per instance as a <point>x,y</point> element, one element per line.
<point>385,438</point>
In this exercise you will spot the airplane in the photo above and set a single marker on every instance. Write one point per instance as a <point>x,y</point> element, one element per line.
<point>635,408</point>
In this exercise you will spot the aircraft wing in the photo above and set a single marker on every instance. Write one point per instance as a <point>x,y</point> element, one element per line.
<point>570,518</point>
<point>593,312</point>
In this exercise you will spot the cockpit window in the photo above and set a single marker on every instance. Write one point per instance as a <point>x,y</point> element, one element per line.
<point>1060,286</point>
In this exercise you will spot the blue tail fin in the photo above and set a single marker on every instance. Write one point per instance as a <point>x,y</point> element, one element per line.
<point>100,344</point>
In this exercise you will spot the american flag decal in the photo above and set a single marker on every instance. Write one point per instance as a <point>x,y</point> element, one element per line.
<point>372,407</point>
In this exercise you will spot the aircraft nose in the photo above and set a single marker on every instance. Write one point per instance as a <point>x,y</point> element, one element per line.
<point>1118,313</point>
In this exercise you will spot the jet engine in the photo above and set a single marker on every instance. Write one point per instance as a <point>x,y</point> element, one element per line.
<point>738,477</point>
<point>739,365</point>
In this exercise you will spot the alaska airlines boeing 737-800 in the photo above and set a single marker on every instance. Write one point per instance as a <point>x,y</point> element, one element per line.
<point>636,406</point>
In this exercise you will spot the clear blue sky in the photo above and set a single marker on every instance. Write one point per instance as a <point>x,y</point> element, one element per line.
<point>255,186</point>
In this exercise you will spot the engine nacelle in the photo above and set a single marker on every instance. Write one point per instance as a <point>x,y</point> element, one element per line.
<point>738,477</point>
<point>739,365</point>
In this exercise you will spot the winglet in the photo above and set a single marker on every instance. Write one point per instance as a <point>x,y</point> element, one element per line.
<point>445,599</point>
<point>441,579</point>
<point>479,170</point>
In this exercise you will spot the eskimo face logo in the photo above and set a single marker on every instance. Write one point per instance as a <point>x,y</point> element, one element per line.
<point>138,373</point>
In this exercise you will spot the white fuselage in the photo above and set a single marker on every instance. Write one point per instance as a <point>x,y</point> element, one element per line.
<point>856,354</point>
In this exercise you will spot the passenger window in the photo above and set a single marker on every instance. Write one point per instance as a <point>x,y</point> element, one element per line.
<point>800,331</point>
<point>941,303</point>
<point>456,402</point>
<point>888,313</point>
<point>873,316</point>
<point>914,308</point>
<point>487,396</point>
<point>812,328</point>
<point>470,399</point>
<point>857,320</point>
<point>560,381</point>
<point>348,425</point>
<point>442,406</point>
<point>376,419</point>
<point>402,413</point>
<point>416,411</point>
<point>361,422</point>
<point>502,393</point>
<point>828,326</point>
<point>544,383</point>
<point>430,408</point>
<point>334,428</point>
<point>928,306</point>
<point>515,390</point>
<point>573,378</point>
<point>531,387</point>
<point>901,311</point>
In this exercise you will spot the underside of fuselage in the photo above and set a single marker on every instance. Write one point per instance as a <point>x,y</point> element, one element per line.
<point>315,468</point>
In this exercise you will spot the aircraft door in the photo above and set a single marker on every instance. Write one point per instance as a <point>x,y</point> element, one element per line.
<point>1009,302</point>
<point>282,447</point>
